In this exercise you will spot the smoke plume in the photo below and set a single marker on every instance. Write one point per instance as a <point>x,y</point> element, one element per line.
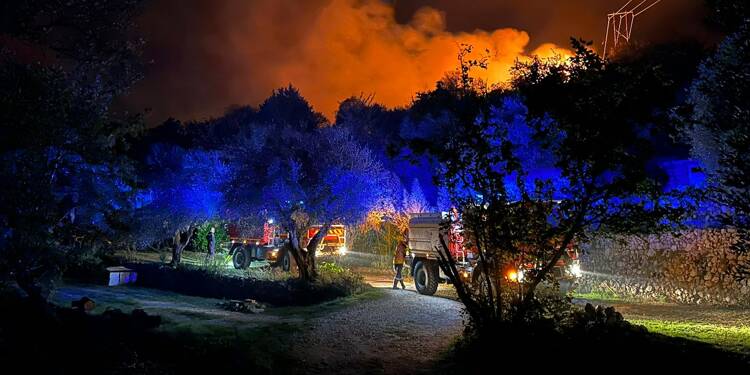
<point>209,55</point>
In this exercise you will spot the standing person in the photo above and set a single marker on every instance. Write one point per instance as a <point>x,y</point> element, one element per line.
<point>398,264</point>
<point>211,239</point>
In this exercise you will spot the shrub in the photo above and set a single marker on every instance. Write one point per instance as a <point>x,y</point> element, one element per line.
<point>89,265</point>
<point>595,336</point>
<point>266,273</point>
<point>333,275</point>
<point>221,237</point>
<point>200,282</point>
<point>218,264</point>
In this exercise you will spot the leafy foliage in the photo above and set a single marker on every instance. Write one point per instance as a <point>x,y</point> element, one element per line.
<point>717,125</point>
<point>331,274</point>
<point>66,181</point>
<point>535,170</point>
<point>184,189</point>
<point>294,168</point>
<point>221,237</point>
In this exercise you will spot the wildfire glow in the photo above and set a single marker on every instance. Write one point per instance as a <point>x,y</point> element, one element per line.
<point>329,50</point>
<point>358,47</point>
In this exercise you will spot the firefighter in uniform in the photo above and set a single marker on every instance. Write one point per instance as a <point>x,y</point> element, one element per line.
<point>398,264</point>
<point>211,240</point>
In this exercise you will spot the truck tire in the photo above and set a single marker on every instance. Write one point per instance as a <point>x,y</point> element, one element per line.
<point>241,258</point>
<point>286,261</point>
<point>426,277</point>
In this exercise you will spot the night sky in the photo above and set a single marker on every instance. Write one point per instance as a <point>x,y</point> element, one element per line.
<point>208,55</point>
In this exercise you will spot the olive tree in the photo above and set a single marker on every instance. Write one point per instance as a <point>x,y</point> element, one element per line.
<point>565,153</point>
<point>294,167</point>
<point>183,189</point>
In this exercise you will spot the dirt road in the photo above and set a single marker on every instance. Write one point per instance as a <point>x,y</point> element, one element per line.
<point>384,332</point>
<point>401,333</point>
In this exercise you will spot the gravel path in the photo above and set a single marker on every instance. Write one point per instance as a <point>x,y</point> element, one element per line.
<point>403,332</point>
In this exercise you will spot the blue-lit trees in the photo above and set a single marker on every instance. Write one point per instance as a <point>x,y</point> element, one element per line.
<point>718,128</point>
<point>64,177</point>
<point>564,154</point>
<point>602,121</point>
<point>184,188</point>
<point>291,166</point>
<point>414,200</point>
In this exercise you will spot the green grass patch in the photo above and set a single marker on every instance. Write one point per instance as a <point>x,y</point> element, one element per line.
<point>599,296</point>
<point>733,338</point>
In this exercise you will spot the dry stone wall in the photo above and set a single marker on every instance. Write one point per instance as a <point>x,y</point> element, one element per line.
<point>695,267</point>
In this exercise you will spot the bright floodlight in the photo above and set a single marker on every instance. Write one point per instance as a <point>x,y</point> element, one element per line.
<point>576,270</point>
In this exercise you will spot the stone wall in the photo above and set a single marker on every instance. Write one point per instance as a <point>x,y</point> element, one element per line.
<point>695,267</point>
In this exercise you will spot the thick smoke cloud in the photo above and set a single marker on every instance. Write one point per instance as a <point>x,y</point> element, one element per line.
<point>208,55</point>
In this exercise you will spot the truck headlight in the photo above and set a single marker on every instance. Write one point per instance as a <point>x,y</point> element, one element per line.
<point>512,275</point>
<point>575,270</point>
<point>342,250</point>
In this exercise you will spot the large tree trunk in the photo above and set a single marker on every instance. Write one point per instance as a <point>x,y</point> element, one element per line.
<point>312,248</point>
<point>305,257</point>
<point>299,256</point>
<point>180,245</point>
<point>569,235</point>
<point>448,265</point>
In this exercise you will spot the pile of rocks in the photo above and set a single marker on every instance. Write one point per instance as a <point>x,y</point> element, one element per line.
<point>603,319</point>
<point>243,306</point>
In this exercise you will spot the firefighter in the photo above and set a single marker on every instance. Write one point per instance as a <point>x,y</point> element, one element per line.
<point>398,264</point>
<point>211,240</point>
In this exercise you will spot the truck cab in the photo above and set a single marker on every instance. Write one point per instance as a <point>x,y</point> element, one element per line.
<point>333,243</point>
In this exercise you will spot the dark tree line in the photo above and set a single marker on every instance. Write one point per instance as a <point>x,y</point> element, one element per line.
<point>77,174</point>
<point>716,122</point>
<point>66,180</point>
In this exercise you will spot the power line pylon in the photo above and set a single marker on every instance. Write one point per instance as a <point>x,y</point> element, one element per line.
<point>620,23</point>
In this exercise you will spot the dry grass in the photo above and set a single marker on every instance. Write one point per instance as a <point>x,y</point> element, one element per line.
<point>725,327</point>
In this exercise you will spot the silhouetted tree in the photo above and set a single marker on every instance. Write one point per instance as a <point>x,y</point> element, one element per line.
<point>728,15</point>
<point>566,153</point>
<point>65,180</point>
<point>718,128</point>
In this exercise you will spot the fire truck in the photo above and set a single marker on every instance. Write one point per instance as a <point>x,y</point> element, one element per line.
<point>424,240</point>
<point>270,246</point>
<point>334,242</point>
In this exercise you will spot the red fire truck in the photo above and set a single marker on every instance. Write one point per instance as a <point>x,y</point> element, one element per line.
<point>424,232</point>
<point>270,246</point>
<point>334,242</point>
